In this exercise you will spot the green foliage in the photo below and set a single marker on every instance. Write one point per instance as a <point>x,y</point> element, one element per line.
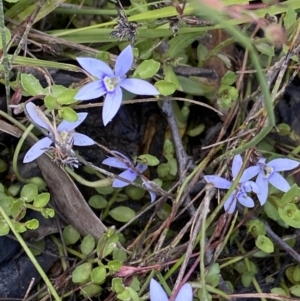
<point>70,235</point>
<point>122,214</point>
<point>264,243</point>
<point>147,69</point>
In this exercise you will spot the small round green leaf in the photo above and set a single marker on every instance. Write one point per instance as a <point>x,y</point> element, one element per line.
<point>47,212</point>
<point>41,200</point>
<point>68,114</point>
<point>29,192</point>
<point>67,97</point>
<point>70,235</point>
<point>32,224</point>
<point>135,193</point>
<point>97,201</point>
<point>4,228</point>
<point>165,88</point>
<point>147,69</point>
<point>98,275</point>
<point>50,102</point>
<point>31,85</point>
<point>265,48</point>
<point>148,160</point>
<point>264,243</point>
<point>90,290</point>
<point>87,245</point>
<point>122,214</point>
<point>114,266</point>
<point>82,273</point>
<point>295,290</point>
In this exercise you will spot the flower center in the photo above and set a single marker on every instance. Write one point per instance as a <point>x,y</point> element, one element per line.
<point>112,82</point>
<point>267,171</point>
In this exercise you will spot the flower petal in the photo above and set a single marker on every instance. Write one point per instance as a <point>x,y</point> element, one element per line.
<point>112,104</point>
<point>218,182</point>
<point>138,86</point>
<point>37,149</point>
<point>283,164</point>
<point>249,173</point>
<point>91,91</point>
<point>237,163</point>
<point>124,61</point>
<point>33,112</point>
<point>69,126</point>
<point>82,140</point>
<point>231,202</point>
<point>114,162</point>
<point>157,293</point>
<point>245,200</point>
<point>141,167</point>
<point>95,67</point>
<point>279,182</point>
<point>185,293</point>
<point>127,174</point>
<point>152,194</point>
<point>262,183</point>
<point>251,186</point>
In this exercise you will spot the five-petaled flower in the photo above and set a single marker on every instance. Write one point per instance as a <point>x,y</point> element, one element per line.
<point>157,293</point>
<point>110,83</point>
<point>268,172</point>
<point>63,132</point>
<point>130,173</point>
<point>244,186</point>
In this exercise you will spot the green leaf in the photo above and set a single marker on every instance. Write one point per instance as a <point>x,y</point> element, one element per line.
<point>148,160</point>
<point>192,85</point>
<point>147,69</point>
<point>114,266</point>
<point>163,170</point>
<point>290,214</point>
<point>165,88</point>
<point>38,247</point>
<point>67,97</point>
<point>117,285</point>
<point>29,192</point>
<point>81,274</point>
<point>247,279</point>
<point>90,290</point>
<point>264,243</point>
<point>6,202</point>
<point>256,227</point>
<point>296,273</point>
<point>19,227</point>
<point>295,290</point>
<point>47,212</point>
<point>122,214</point>
<point>41,200</point>
<point>170,76</point>
<point>229,78</point>
<point>291,196</point>
<point>87,245</point>
<point>31,85</point>
<point>4,228</point>
<point>7,36</point>
<point>56,90</point>
<point>18,209</point>
<point>68,114</point>
<point>98,275</point>
<point>32,224</point>
<point>135,193</point>
<point>290,17</point>
<point>119,255</point>
<point>265,48</point>
<point>70,235</point>
<point>106,245</point>
<point>173,166</point>
<point>135,284</point>
<point>50,102</point>
<point>97,201</point>
<point>279,291</point>
<point>196,131</point>
<point>180,42</point>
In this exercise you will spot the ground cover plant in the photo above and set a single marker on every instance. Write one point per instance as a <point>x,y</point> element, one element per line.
<point>151,148</point>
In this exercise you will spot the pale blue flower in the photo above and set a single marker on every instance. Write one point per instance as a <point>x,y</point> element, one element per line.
<point>157,293</point>
<point>269,173</point>
<point>244,186</point>
<point>110,82</point>
<point>130,173</point>
<point>64,133</point>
